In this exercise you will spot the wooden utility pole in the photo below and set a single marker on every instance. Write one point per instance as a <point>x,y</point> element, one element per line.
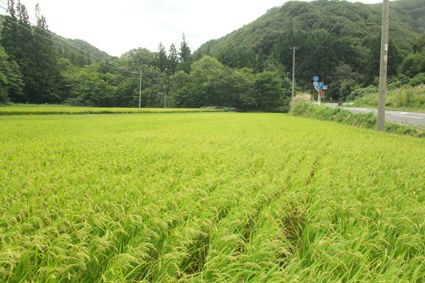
<point>293,70</point>
<point>380,124</point>
<point>140,90</point>
<point>165,97</point>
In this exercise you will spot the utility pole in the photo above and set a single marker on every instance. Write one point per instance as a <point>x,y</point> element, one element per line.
<point>293,70</point>
<point>140,90</point>
<point>380,123</point>
<point>165,97</point>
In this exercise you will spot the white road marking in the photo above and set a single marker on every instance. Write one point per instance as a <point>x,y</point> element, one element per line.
<point>406,116</point>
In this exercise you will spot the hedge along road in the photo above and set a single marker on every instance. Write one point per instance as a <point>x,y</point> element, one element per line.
<point>400,117</point>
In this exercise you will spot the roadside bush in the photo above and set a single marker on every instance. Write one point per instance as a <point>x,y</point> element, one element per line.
<point>405,130</point>
<point>419,79</point>
<point>361,92</point>
<point>300,100</point>
<point>307,109</point>
<point>401,98</point>
<point>340,115</point>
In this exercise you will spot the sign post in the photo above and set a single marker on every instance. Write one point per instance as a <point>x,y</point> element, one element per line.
<point>319,86</point>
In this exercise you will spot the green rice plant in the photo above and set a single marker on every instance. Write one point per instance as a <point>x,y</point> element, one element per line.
<point>44,109</point>
<point>208,197</point>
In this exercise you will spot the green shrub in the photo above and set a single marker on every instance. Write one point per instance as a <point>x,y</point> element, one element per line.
<point>419,79</point>
<point>402,98</point>
<point>343,116</point>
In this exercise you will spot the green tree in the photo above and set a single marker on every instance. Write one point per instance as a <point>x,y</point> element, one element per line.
<point>173,59</point>
<point>89,87</point>
<point>136,58</point>
<point>241,89</point>
<point>373,61</point>
<point>11,84</point>
<point>413,64</point>
<point>162,58</point>
<point>237,56</point>
<point>153,85</point>
<point>23,50</point>
<point>268,91</point>
<point>10,30</point>
<point>210,81</point>
<point>46,77</point>
<point>179,90</point>
<point>15,40</point>
<point>185,56</point>
<point>4,82</point>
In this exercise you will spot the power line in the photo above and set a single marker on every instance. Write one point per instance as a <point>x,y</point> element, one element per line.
<point>82,51</point>
<point>77,47</point>
<point>307,61</point>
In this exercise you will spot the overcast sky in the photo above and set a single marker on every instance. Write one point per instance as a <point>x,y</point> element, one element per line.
<point>118,26</point>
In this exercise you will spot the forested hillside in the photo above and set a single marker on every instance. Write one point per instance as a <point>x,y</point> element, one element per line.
<point>337,40</point>
<point>78,51</point>
<point>248,69</point>
<point>411,12</point>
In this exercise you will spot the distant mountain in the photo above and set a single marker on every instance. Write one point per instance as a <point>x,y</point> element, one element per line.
<point>334,39</point>
<point>412,12</point>
<point>78,51</point>
<point>1,22</point>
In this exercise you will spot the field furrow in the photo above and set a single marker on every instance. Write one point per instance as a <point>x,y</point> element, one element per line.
<point>207,197</point>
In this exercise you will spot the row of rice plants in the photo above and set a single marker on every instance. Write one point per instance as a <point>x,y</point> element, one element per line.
<point>207,197</point>
<point>43,109</point>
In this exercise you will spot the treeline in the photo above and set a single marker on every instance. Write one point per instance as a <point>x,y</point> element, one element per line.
<point>337,40</point>
<point>211,83</point>
<point>247,69</point>
<point>38,66</point>
<point>29,70</point>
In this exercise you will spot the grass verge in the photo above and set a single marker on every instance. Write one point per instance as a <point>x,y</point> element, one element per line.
<point>307,109</point>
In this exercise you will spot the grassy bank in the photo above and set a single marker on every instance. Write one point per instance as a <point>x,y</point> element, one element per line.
<point>406,99</point>
<point>307,109</point>
<point>43,109</point>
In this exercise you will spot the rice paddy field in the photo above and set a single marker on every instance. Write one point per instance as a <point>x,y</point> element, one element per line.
<point>39,109</point>
<point>208,197</point>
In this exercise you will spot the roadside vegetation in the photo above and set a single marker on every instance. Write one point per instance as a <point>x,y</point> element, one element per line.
<point>208,197</point>
<point>302,106</point>
<point>405,98</point>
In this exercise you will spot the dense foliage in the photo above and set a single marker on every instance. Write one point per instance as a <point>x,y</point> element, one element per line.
<point>406,98</point>
<point>247,69</point>
<point>219,197</point>
<point>337,40</point>
<point>41,67</point>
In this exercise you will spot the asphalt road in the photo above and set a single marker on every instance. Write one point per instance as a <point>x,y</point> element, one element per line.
<point>400,117</point>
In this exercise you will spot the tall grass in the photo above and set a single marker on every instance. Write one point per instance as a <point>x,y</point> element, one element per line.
<point>208,197</point>
<point>307,109</point>
<point>401,98</point>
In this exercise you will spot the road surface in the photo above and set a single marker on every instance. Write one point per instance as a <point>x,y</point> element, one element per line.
<point>400,117</point>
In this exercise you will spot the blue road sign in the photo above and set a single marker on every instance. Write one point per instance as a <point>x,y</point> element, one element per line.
<point>315,78</point>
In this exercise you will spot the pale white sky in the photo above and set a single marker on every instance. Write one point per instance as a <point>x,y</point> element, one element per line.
<point>119,26</point>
